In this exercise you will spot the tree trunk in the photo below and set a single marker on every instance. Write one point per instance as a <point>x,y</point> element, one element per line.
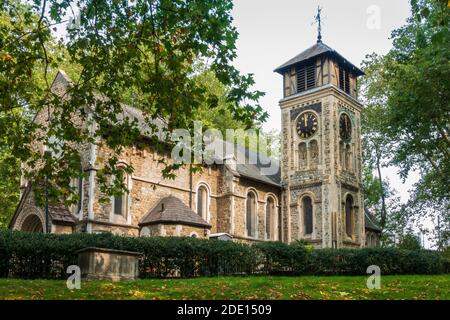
<point>383,198</point>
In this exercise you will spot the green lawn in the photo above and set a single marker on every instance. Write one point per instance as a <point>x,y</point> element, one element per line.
<point>252,287</point>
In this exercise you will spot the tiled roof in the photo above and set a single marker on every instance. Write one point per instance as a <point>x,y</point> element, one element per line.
<point>59,213</point>
<point>172,210</point>
<point>255,171</point>
<point>314,51</point>
<point>370,223</point>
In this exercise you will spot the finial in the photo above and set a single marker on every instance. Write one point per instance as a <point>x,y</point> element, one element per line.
<point>319,24</point>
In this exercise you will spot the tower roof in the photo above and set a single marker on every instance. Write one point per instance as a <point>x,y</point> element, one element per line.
<point>319,49</point>
<point>171,209</point>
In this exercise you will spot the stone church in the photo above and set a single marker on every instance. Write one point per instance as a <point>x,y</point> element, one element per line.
<point>315,195</point>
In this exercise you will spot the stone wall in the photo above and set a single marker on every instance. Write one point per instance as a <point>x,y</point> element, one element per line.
<point>319,173</point>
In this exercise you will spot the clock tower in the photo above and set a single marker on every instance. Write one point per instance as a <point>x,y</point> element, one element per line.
<point>322,199</point>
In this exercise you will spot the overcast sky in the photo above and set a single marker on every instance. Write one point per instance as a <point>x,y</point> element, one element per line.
<point>274,31</point>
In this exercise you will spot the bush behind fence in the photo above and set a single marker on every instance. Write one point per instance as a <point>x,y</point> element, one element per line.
<point>37,255</point>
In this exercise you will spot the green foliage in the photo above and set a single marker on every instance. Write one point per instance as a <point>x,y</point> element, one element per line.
<point>390,261</point>
<point>9,186</point>
<point>280,258</point>
<point>372,189</point>
<point>142,54</point>
<point>37,255</point>
<point>406,122</point>
<point>410,242</point>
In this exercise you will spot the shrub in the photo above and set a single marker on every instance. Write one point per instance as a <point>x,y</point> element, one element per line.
<point>279,258</point>
<point>37,255</point>
<point>390,261</point>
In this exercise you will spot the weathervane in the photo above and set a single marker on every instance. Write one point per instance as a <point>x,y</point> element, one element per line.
<point>319,24</point>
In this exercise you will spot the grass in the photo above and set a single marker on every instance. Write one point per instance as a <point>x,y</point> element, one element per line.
<point>251,287</point>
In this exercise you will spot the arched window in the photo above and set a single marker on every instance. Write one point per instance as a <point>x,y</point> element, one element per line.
<point>348,158</point>
<point>307,215</point>
<point>314,153</point>
<point>349,215</point>
<point>302,156</point>
<point>250,214</point>
<point>270,218</point>
<point>120,205</point>
<point>202,202</point>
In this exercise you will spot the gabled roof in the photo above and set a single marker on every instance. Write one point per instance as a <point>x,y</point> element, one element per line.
<point>249,164</point>
<point>319,49</point>
<point>59,214</point>
<point>254,171</point>
<point>158,126</point>
<point>370,222</point>
<point>172,210</point>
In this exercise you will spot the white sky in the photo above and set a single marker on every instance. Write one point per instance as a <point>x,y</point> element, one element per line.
<point>274,31</point>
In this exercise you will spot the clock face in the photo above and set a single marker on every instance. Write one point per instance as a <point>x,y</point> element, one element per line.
<point>345,127</point>
<point>307,124</point>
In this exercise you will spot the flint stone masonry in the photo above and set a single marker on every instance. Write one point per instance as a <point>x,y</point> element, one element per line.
<point>108,264</point>
<point>323,167</point>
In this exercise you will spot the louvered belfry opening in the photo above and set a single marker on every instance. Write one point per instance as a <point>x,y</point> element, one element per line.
<point>316,67</point>
<point>344,80</point>
<point>306,76</point>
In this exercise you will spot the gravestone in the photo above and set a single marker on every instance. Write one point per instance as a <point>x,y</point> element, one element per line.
<point>108,264</point>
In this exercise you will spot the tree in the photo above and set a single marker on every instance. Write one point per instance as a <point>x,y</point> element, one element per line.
<point>9,186</point>
<point>139,52</point>
<point>406,122</point>
<point>410,242</point>
<point>375,143</point>
<point>418,78</point>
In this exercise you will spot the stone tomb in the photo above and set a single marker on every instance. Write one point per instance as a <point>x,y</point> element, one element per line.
<point>108,264</point>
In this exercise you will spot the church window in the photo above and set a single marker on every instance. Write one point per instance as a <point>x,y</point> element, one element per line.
<point>348,157</point>
<point>349,216</point>
<point>250,213</point>
<point>202,202</point>
<point>314,152</point>
<point>270,219</point>
<point>306,76</point>
<point>302,156</point>
<point>120,202</point>
<point>307,215</point>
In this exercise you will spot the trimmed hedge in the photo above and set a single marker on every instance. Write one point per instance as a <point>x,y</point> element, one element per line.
<point>37,255</point>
